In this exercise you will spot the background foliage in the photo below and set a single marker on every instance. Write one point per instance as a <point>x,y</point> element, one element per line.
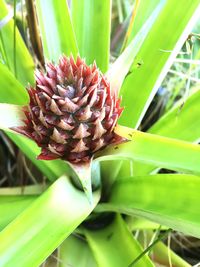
<point>149,185</point>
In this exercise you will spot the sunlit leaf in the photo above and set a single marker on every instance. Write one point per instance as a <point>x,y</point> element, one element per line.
<point>168,199</point>
<point>154,149</point>
<point>56,213</point>
<point>92,21</point>
<point>118,71</point>
<point>11,91</point>
<point>144,9</point>
<point>12,206</point>
<point>15,53</point>
<point>182,122</point>
<point>155,57</point>
<point>56,29</point>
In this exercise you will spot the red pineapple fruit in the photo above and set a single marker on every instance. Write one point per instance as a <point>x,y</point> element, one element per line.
<point>72,112</point>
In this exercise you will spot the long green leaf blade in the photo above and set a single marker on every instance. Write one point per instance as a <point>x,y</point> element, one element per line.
<point>15,52</point>
<point>11,91</point>
<point>118,71</point>
<point>168,199</point>
<point>115,246</point>
<point>56,213</point>
<point>12,206</point>
<point>144,10</point>
<point>56,29</point>
<point>153,149</point>
<point>91,20</point>
<point>182,123</point>
<point>141,85</point>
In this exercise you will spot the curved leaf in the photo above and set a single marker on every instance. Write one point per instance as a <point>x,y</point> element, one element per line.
<point>12,206</point>
<point>11,91</point>
<point>56,213</point>
<point>168,199</point>
<point>154,59</point>
<point>153,149</point>
<point>182,123</point>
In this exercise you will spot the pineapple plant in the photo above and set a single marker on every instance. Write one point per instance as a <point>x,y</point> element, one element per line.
<point>82,114</point>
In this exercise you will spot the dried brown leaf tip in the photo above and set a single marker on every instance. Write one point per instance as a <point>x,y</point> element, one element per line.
<point>72,113</point>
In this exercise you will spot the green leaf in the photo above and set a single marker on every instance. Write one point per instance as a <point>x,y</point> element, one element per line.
<point>11,91</point>
<point>56,29</point>
<point>74,251</point>
<point>11,116</point>
<point>12,206</point>
<point>168,199</point>
<point>56,213</point>
<point>15,53</point>
<point>166,35</point>
<point>120,68</point>
<point>52,169</point>
<point>182,122</point>
<point>91,20</point>
<point>143,11</point>
<point>115,246</point>
<point>131,20</point>
<point>153,149</point>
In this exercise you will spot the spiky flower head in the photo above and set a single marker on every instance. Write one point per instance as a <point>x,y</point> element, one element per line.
<point>72,112</point>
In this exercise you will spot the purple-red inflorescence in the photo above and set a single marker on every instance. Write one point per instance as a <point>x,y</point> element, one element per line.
<point>72,112</point>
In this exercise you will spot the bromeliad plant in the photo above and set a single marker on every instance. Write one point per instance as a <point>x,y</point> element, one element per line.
<point>72,113</point>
